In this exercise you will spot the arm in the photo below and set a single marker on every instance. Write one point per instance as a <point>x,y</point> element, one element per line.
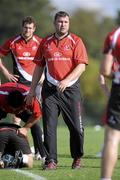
<point>24,130</point>
<point>36,77</point>
<point>103,85</point>
<point>30,115</point>
<point>75,74</point>
<point>10,77</point>
<point>106,65</point>
<point>106,72</point>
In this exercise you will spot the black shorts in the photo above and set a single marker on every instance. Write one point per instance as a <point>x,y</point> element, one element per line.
<point>11,142</point>
<point>113,112</point>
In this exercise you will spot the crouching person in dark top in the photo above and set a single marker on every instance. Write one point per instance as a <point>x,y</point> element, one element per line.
<point>12,100</point>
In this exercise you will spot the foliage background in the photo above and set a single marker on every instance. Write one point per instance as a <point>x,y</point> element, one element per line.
<point>91,26</point>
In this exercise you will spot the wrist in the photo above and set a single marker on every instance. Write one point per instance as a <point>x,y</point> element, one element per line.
<point>112,76</point>
<point>26,127</point>
<point>31,92</point>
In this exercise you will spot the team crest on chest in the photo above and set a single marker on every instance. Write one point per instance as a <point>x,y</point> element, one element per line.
<point>19,47</point>
<point>48,47</point>
<point>34,48</point>
<point>26,54</point>
<point>67,47</point>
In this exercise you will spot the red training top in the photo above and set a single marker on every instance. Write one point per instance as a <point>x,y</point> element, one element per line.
<point>22,53</point>
<point>6,88</point>
<point>61,56</point>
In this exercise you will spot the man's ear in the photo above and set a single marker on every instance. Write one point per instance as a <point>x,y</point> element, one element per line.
<point>34,29</point>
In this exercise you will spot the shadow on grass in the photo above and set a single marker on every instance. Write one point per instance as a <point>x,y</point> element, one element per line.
<point>84,157</point>
<point>82,166</point>
<point>64,156</point>
<point>90,157</point>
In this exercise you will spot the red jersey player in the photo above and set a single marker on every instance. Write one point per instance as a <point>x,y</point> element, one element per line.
<point>12,101</point>
<point>23,48</point>
<point>65,58</point>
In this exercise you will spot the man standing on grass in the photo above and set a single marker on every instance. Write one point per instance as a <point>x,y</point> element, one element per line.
<point>65,58</point>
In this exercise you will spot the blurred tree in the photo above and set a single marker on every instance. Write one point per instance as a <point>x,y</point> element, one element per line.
<point>12,13</point>
<point>93,98</point>
<point>92,27</point>
<point>118,18</point>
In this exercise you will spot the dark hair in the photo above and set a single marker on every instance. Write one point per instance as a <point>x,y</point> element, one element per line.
<point>15,99</point>
<point>29,20</point>
<point>61,14</point>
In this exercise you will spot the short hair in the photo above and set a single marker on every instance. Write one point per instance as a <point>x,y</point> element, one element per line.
<point>15,99</point>
<point>61,14</point>
<point>28,20</point>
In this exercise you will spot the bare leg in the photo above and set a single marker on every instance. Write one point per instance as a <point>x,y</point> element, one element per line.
<point>110,152</point>
<point>27,160</point>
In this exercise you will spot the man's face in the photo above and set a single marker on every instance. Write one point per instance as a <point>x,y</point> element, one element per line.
<point>28,30</point>
<point>62,25</point>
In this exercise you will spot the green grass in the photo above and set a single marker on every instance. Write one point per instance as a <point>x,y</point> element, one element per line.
<point>90,169</point>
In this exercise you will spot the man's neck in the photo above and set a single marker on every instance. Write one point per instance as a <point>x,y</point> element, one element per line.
<point>26,38</point>
<point>59,37</point>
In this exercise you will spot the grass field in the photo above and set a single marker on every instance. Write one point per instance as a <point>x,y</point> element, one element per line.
<point>90,169</point>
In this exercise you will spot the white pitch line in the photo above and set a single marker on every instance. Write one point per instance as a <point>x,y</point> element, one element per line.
<point>29,174</point>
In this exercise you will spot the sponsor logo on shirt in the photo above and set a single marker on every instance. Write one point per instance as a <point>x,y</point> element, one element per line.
<point>57,54</point>
<point>67,47</point>
<point>59,59</point>
<point>26,54</point>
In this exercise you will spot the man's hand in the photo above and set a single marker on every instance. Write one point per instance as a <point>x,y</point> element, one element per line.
<point>11,77</point>
<point>62,85</point>
<point>22,132</point>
